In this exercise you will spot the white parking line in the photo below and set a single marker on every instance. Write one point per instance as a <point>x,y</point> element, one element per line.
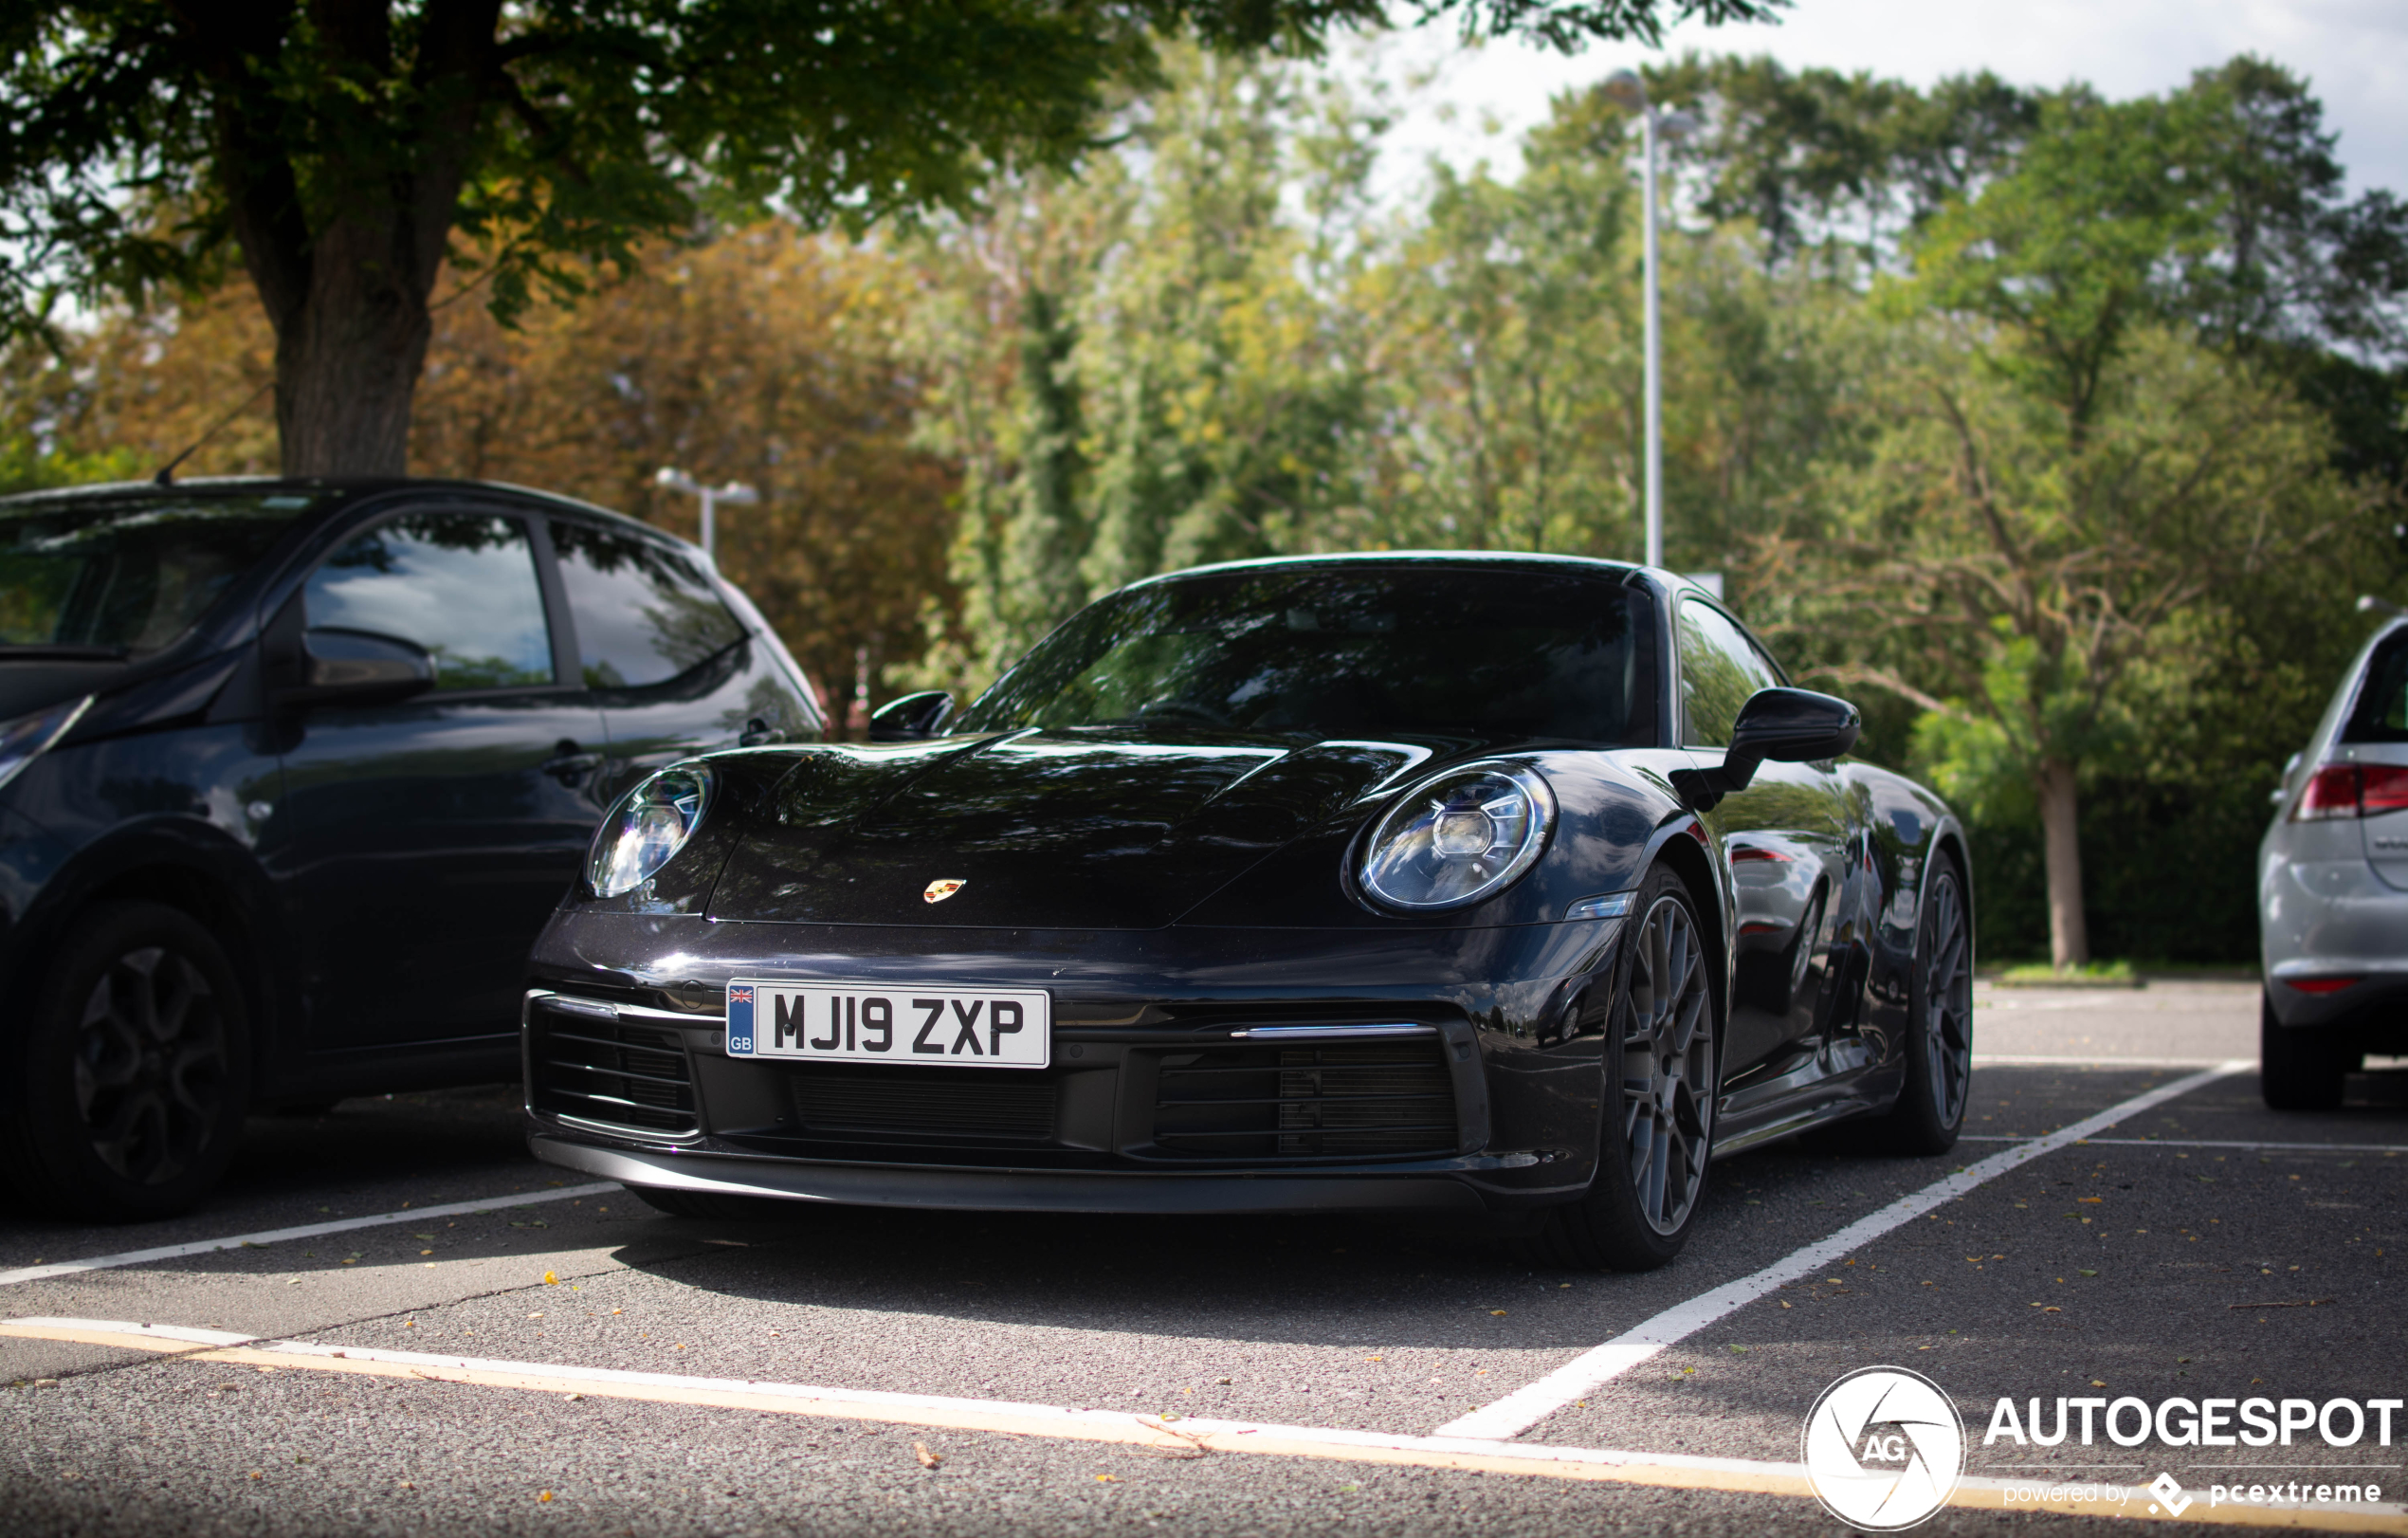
<point>1178,1434</point>
<point>2210,1143</point>
<point>2026,1060</point>
<point>305,1231</point>
<point>1526,1406</point>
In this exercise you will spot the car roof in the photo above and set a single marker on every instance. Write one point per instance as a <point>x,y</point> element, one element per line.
<point>352,490</point>
<point>1616,570</point>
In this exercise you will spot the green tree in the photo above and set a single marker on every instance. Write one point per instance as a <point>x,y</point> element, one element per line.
<point>349,149</point>
<point>1155,365</point>
<point>2049,594</point>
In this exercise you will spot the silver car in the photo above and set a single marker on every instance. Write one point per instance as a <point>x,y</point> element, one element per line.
<point>2332,888</point>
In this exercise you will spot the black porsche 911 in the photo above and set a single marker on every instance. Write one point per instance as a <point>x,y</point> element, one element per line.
<point>1514,888</point>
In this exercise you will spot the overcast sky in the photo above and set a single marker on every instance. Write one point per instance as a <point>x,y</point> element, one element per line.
<point>2353,52</point>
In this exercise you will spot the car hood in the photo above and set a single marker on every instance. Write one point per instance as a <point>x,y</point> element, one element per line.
<point>32,683</point>
<point>1092,828</point>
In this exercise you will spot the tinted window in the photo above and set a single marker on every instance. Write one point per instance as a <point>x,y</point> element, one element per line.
<point>2381,714</point>
<point>644,613</point>
<point>1720,668</point>
<point>131,575</point>
<point>463,585</point>
<point>1342,650</point>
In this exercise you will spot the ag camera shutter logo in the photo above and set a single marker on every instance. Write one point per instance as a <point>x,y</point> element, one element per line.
<point>1884,1448</point>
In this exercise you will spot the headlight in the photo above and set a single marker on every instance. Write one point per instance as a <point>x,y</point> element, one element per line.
<point>647,827</point>
<point>23,740</point>
<point>1459,836</point>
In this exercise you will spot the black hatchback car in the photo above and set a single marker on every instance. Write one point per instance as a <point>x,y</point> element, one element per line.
<point>291,775</point>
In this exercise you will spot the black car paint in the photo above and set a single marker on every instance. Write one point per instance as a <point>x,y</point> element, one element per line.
<point>1168,885</point>
<point>381,907</point>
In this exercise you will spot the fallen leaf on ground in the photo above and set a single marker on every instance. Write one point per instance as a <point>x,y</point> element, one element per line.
<point>927,1459</point>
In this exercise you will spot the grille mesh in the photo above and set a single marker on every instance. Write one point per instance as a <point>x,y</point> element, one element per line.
<point>624,1074</point>
<point>1264,1101</point>
<point>1014,1105</point>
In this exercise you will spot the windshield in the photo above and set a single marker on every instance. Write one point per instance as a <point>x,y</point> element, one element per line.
<point>1346,650</point>
<point>126,577</point>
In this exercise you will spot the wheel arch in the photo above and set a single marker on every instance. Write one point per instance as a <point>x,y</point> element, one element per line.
<point>195,868</point>
<point>1679,846</point>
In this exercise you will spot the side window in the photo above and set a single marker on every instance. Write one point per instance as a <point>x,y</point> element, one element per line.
<point>644,613</point>
<point>463,585</point>
<point>1720,668</point>
<point>2382,711</point>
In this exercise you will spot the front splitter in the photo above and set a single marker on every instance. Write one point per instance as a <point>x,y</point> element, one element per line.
<point>887,1185</point>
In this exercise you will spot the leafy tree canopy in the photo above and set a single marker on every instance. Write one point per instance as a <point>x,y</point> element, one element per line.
<point>2233,177</point>
<point>342,144</point>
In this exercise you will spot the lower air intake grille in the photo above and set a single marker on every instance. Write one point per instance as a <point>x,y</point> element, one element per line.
<point>1264,1102</point>
<point>928,1101</point>
<point>615,1072</point>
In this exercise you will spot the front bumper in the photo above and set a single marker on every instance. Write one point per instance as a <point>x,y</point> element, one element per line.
<point>1155,1100</point>
<point>1017,1190</point>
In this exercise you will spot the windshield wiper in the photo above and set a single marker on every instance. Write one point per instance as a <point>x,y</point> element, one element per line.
<point>62,651</point>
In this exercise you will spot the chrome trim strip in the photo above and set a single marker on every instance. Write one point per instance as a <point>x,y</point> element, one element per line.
<point>620,1130</point>
<point>603,1009</point>
<point>1329,1032</point>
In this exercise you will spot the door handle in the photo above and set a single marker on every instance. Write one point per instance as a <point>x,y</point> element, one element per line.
<point>569,763</point>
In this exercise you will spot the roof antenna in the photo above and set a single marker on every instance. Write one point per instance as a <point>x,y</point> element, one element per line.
<point>167,471</point>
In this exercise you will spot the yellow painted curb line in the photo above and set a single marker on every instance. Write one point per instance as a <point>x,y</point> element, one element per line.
<point>1184,1437</point>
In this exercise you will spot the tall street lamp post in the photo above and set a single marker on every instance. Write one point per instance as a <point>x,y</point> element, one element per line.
<point>1627,87</point>
<point>734,492</point>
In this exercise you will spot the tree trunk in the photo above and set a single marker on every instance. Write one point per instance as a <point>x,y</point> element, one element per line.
<point>2061,845</point>
<point>348,355</point>
<point>346,290</point>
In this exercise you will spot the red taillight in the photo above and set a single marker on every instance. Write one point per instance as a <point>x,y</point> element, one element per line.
<point>1748,851</point>
<point>2333,792</point>
<point>2382,787</point>
<point>2353,789</point>
<point>2319,985</point>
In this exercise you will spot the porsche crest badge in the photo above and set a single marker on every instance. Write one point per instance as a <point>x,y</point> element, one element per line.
<point>938,890</point>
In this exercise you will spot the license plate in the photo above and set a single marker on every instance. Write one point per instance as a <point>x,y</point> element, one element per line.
<point>877,1022</point>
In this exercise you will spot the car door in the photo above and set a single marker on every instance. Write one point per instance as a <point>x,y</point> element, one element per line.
<point>422,844</point>
<point>672,668</point>
<point>1785,837</point>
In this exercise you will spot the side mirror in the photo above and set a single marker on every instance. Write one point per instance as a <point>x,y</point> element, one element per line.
<point>911,718</point>
<point>1782,726</point>
<point>341,667</point>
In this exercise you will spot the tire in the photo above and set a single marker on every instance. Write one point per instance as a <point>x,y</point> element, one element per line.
<point>713,1205</point>
<point>133,1070</point>
<point>1931,1110</point>
<point>2297,1070</point>
<point>1662,1058</point>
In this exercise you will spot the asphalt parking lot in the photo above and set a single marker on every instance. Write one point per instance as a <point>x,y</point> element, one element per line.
<point>2124,1217</point>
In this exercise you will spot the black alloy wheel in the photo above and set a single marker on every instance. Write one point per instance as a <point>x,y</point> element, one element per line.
<point>1660,1080</point>
<point>135,1071</point>
<point>1930,1111</point>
